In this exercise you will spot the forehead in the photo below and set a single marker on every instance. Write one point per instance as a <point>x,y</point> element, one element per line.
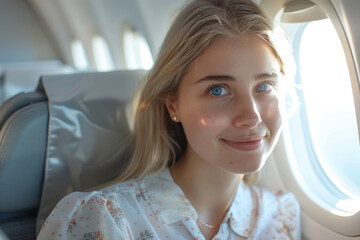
<point>241,57</point>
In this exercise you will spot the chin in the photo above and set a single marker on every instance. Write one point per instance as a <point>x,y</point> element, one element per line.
<point>249,166</point>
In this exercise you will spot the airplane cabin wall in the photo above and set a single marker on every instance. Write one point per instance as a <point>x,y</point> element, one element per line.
<point>22,36</point>
<point>158,16</point>
<point>317,221</point>
<point>83,19</point>
<point>109,18</point>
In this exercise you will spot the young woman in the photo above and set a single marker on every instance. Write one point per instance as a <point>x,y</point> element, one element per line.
<point>208,115</point>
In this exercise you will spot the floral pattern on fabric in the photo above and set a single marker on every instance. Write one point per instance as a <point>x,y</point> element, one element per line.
<point>156,208</point>
<point>93,236</point>
<point>145,235</point>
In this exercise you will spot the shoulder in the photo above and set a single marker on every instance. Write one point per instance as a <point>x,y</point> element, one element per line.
<point>80,206</point>
<point>279,210</point>
<point>128,186</point>
<point>82,214</point>
<point>114,194</point>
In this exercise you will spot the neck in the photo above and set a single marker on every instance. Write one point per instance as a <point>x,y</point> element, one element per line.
<point>209,188</point>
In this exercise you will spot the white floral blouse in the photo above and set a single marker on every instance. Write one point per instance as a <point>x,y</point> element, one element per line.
<point>156,208</point>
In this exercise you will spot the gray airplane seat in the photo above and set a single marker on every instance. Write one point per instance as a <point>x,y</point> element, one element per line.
<point>24,76</point>
<point>23,124</point>
<point>71,134</point>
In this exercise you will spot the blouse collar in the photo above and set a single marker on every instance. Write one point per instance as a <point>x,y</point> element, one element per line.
<point>170,205</point>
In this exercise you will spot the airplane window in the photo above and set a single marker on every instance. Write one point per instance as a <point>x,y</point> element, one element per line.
<point>136,49</point>
<point>327,109</point>
<point>79,55</point>
<point>102,54</point>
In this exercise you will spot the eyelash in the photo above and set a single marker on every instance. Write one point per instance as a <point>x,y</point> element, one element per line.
<point>215,85</point>
<point>273,84</point>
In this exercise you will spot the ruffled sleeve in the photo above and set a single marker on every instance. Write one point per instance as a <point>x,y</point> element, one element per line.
<point>289,215</point>
<point>86,216</point>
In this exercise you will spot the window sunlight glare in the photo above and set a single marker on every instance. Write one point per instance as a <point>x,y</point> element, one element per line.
<point>348,207</point>
<point>137,51</point>
<point>79,55</point>
<point>102,54</point>
<point>330,106</point>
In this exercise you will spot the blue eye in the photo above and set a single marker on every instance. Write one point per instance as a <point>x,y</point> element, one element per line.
<point>263,87</point>
<point>218,91</point>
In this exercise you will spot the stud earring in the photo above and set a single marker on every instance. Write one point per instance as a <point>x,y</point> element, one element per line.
<point>174,118</point>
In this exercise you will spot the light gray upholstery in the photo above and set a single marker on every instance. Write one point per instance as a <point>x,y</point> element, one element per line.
<point>24,76</point>
<point>88,128</point>
<point>23,124</point>
<point>64,137</point>
<point>3,236</point>
<point>23,142</point>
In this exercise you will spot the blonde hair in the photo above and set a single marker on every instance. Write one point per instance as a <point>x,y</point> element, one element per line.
<point>157,140</point>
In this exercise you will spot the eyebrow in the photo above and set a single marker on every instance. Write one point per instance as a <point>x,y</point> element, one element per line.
<point>263,76</point>
<point>258,77</point>
<point>216,78</point>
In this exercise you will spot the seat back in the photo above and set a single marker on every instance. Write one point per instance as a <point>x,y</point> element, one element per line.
<point>64,137</point>
<point>24,76</point>
<point>23,127</point>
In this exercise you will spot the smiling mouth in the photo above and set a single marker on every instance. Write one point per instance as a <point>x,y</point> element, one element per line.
<point>246,144</point>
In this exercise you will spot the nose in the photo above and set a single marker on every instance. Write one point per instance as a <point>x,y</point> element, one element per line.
<point>247,113</point>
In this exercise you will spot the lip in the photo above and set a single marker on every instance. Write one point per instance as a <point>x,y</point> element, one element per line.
<point>248,143</point>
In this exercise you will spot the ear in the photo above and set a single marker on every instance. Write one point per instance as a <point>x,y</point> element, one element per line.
<point>171,105</point>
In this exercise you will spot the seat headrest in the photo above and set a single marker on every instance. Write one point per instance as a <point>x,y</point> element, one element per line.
<point>88,129</point>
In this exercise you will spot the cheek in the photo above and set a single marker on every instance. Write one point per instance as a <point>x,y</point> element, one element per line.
<point>201,120</point>
<point>272,117</point>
